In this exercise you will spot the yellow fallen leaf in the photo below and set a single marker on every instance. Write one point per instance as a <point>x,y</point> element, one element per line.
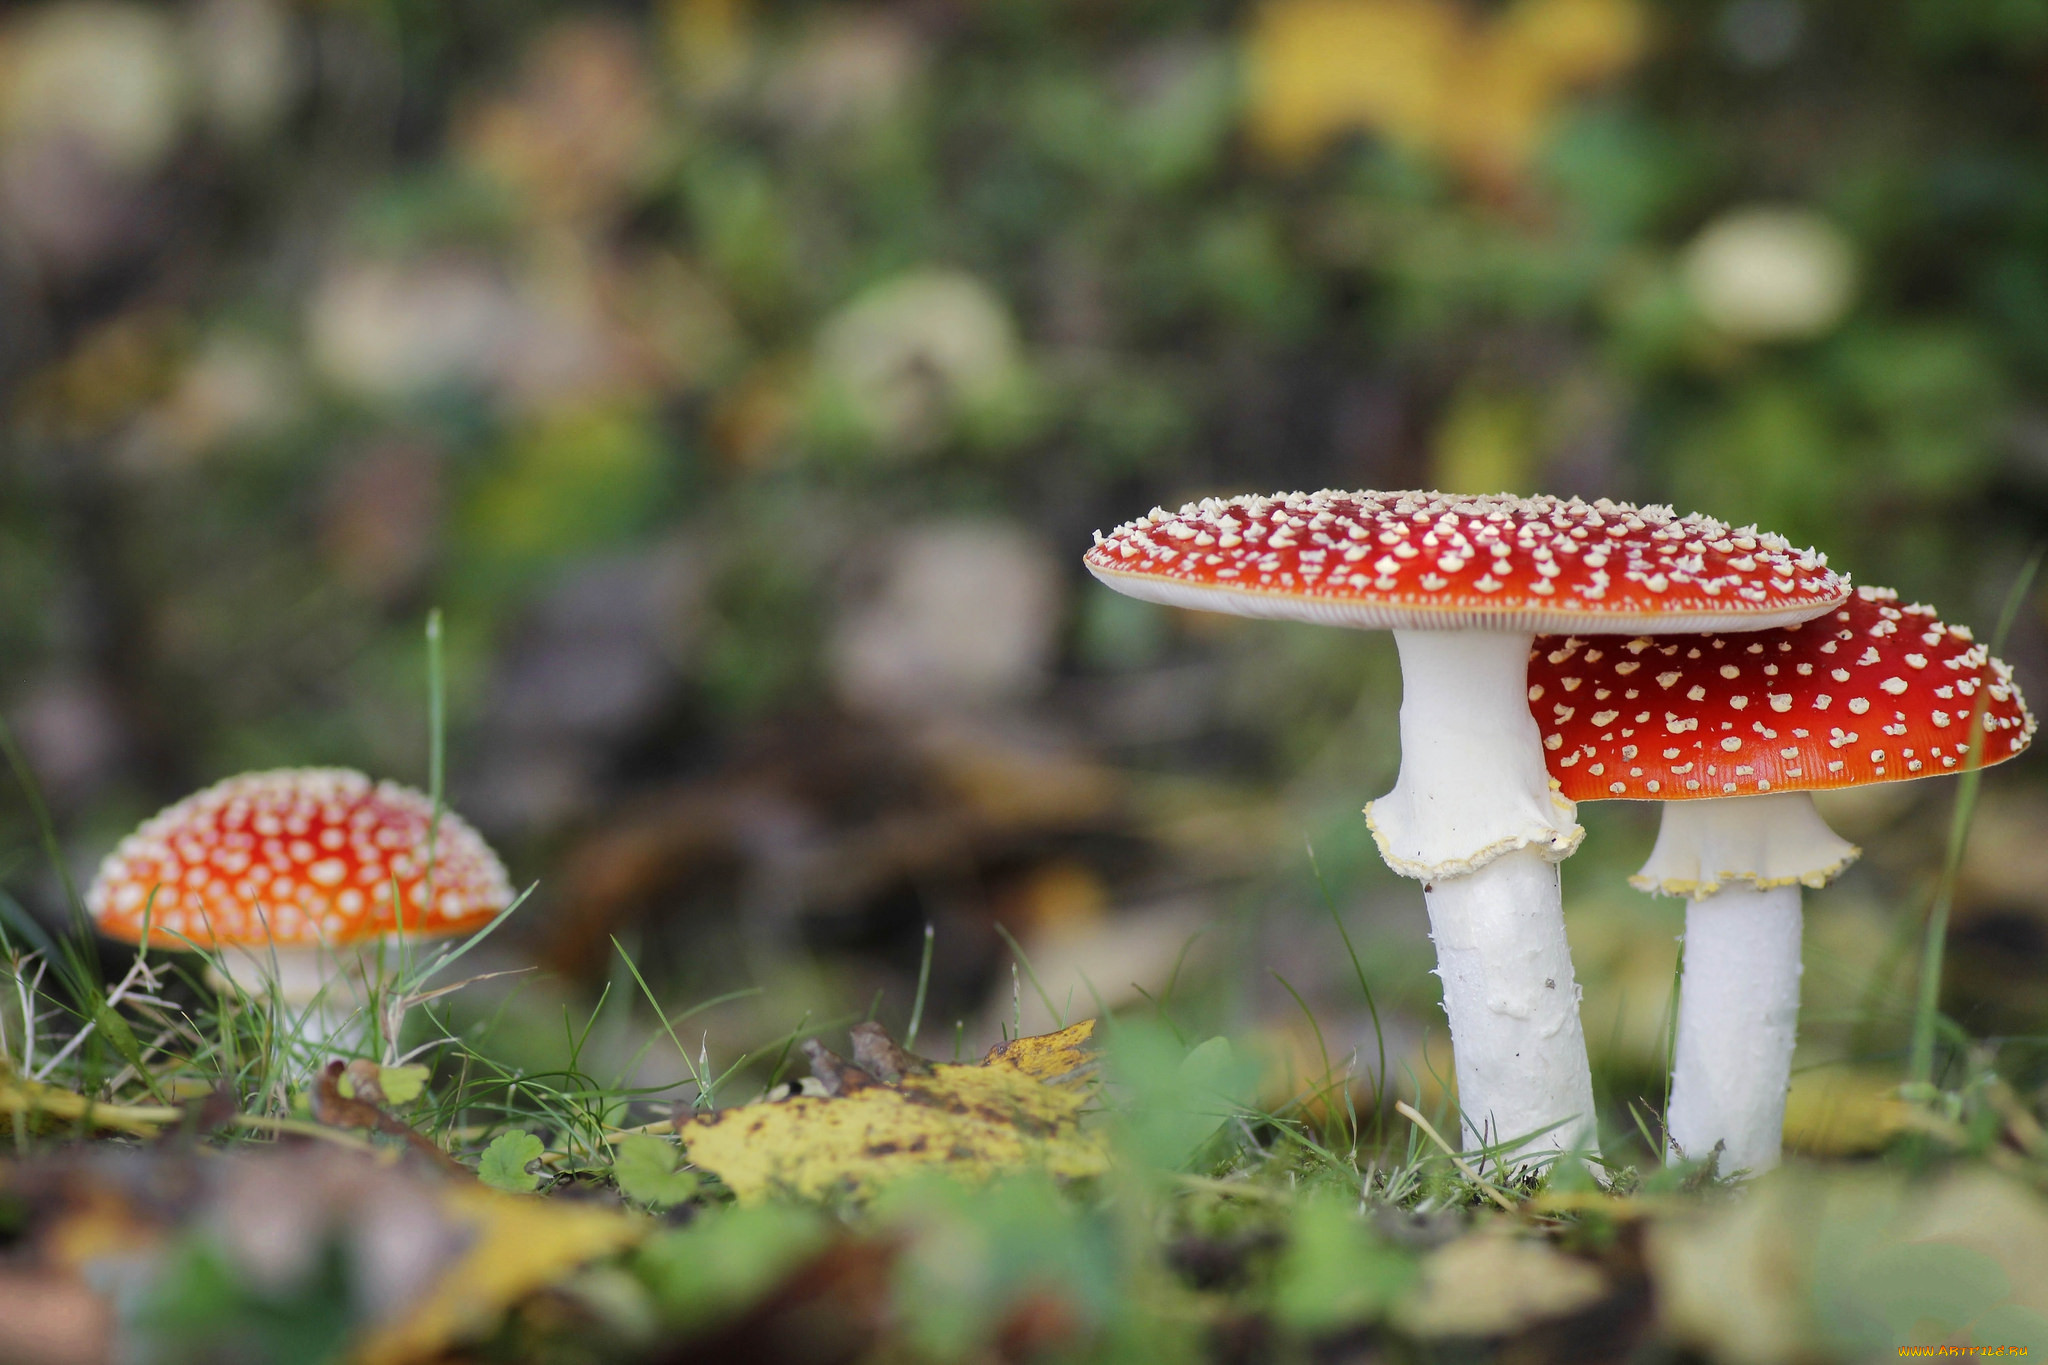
<point>1425,75</point>
<point>1021,1107</point>
<point>516,1246</point>
<point>1571,41</point>
<point>1051,1057</point>
<point>1321,67</point>
<point>1842,1111</point>
<point>35,1099</point>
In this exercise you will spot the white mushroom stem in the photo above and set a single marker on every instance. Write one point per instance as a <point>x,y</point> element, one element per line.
<point>322,990</point>
<point>1738,1019</point>
<point>1519,1050</point>
<point>1744,861</point>
<point>1475,817</point>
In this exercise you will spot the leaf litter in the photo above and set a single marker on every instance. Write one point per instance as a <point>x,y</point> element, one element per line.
<point>982,1245</point>
<point>1132,1203</point>
<point>887,1114</point>
<point>179,1247</point>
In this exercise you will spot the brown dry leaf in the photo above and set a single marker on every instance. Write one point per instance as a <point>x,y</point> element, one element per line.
<point>1020,1107</point>
<point>1490,1283</point>
<point>336,1110</point>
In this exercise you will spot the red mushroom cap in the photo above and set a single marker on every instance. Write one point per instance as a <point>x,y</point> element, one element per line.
<point>1436,561</point>
<point>1871,692</point>
<point>303,856</point>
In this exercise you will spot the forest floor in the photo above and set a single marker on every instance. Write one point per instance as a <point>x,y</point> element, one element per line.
<point>192,1180</point>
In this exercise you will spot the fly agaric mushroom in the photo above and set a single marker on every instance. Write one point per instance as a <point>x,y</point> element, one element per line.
<point>1465,583</point>
<point>291,877</point>
<point>1871,692</point>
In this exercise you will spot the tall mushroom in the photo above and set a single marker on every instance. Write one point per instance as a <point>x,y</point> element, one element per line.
<point>1465,583</point>
<point>292,878</point>
<point>1872,692</point>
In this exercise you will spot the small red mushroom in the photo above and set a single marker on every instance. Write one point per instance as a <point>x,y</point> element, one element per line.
<point>1465,583</point>
<point>289,876</point>
<point>1733,733</point>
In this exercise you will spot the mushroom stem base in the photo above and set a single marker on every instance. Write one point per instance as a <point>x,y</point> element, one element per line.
<point>1513,1003</point>
<point>1738,1017</point>
<point>322,990</point>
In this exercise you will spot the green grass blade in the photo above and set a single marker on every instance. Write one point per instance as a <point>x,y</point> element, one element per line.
<point>659,1013</point>
<point>1379,1037</point>
<point>1670,1043</point>
<point>1920,1068</point>
<point>46,829</point>
<point>1159,1009</point>
<point>16,917</point>
<point>1051,1010</point>
<point>437,740</point>
<point>431,969</point>
<point>1322,1050</point>
<point>924,981</point>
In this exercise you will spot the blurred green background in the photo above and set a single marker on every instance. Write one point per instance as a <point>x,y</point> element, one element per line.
<point>744,381</point>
